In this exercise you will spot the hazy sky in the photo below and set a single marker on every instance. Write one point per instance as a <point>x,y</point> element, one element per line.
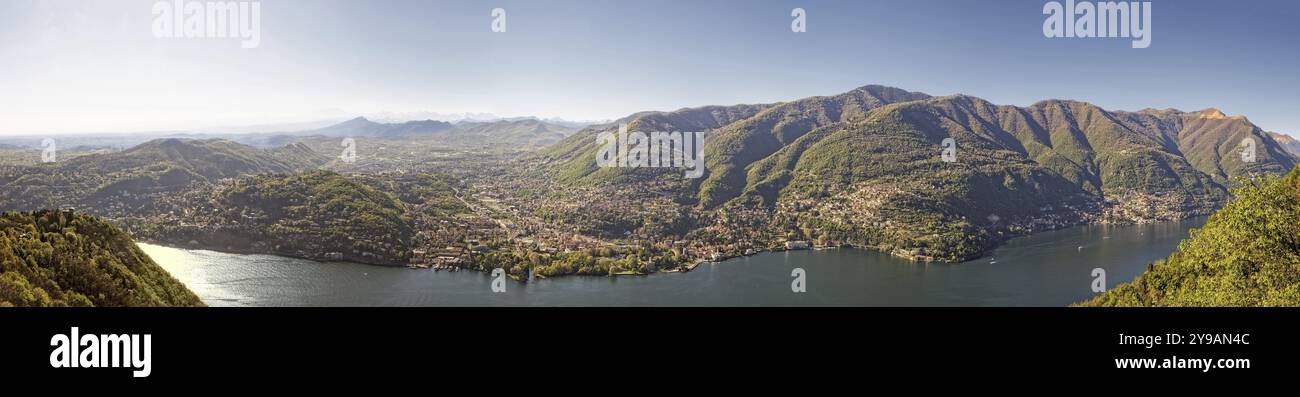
<point>95,65</point>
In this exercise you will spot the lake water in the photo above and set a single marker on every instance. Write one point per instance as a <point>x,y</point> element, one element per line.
<point>1045,269</point>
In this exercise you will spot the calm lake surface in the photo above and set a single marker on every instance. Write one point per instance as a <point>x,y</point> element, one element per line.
<point>1045,269</point>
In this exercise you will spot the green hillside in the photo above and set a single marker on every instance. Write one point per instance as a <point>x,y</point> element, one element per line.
<point>134,179</point>
<point>864,168</point>
<point>58,258</point>
<point>880,182</point>
<point>317,215</point>
<point>1248,254</point>
<point>573,160</point>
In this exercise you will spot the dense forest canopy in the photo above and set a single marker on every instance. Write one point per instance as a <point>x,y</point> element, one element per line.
<point>1248,254</point>
<point>60,258</point>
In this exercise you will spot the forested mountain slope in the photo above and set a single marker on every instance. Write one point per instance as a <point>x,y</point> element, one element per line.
<point>1248,254</point>
<point>865,167</point>
<point>59,258</point>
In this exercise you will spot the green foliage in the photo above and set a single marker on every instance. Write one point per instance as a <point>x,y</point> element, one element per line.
<point>310,215</point>
<point>58,258</point>
<point>589,262</point>
<point>1248,254</point>
<point>735,147</point>
<point>435,193</point>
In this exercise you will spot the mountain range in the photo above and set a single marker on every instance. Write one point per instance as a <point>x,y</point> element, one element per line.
<point>865,166</point>
<point>1291,145</point>
<point>862,168</point>
<point>525,132</point>
<point>870,167</point>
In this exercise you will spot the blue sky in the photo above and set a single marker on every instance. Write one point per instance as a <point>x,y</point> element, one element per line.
<point>95,66</point>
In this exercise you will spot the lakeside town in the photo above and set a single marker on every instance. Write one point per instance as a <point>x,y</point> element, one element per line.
<point>536,228</point>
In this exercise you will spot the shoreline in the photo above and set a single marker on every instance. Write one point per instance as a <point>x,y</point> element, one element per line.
<point>686,268</point>
<point>236,251</point>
